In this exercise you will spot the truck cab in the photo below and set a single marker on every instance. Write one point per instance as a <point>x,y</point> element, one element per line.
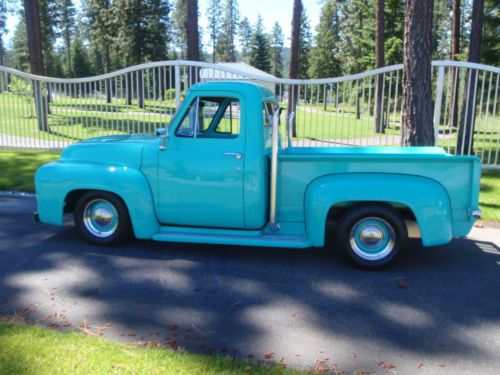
<point>220,173</point>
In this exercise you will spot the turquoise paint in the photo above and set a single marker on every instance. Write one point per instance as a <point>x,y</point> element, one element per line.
<point>220,199</point>
<point>54,181</point>
<point>431,209</point>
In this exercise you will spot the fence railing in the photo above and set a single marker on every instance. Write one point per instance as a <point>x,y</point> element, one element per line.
<point>356,110</point>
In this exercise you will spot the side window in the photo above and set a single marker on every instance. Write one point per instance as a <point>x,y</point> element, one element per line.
<point>211,117</point>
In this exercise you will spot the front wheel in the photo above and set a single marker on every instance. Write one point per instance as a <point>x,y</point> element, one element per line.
<point>102,218</point>
<point>371,236</point>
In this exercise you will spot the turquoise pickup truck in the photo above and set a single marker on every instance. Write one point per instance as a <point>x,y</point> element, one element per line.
<point>220,174</point>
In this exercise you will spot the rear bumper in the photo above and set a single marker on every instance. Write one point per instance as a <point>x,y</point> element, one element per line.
<point>475,213</point>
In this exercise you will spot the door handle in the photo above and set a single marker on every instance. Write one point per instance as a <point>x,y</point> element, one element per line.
<point>237,155</point>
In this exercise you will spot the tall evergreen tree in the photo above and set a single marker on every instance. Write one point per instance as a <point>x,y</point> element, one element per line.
<point>81,61</point>
<point>226,46</point>
<point>66,12</point>
<point>465,139</point>
<point>102,30</point>
<point>277,41</point>
<point>324,61</point>
<point>245,34</point>
<point>192,31</point>
<point>158,33</point>
<point>379,63</point>
<point>490,43</point>
<point>20,53</point>
<point>259,55</point>
<point>441,29</point>
<point>214,15</point>
<point>293,72</point>
<point>179,27</point>
<point>357,28</point>
<point>455,52</point>
<point>49,19</point>
<point>3,29</point>
<point>418,127</point>
<point>393,31</point>
<point>305,45</point>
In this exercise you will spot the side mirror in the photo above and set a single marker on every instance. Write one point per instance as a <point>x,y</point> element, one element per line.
<point>163,133</point>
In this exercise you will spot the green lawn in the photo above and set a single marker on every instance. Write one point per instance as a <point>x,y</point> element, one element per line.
<point>489,200</point>
<point>33,350</point>
<point>18,168</point>
<point>80,118</point>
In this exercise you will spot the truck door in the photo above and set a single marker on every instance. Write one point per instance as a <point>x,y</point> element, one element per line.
<point>200,174</point>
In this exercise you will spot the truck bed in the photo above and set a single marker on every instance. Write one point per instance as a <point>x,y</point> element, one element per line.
<point>299,166</point>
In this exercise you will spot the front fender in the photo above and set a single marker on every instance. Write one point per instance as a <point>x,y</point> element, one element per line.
<point>427,199</point>
<point>54,181</point>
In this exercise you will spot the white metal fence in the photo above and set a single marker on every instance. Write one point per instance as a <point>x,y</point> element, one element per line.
<point>357,110</point>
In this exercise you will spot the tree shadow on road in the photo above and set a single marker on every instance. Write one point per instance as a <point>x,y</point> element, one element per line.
<point>247,301</point>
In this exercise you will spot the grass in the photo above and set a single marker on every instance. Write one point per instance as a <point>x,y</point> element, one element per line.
<point>27,349</point>
<point>489,199</point>
<point>18,168</point>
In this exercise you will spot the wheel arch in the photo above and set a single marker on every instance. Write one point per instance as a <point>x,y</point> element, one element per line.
<point>59,187</point>
<point>414,197</point>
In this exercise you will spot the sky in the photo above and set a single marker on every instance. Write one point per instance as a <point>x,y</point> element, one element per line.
<point>270,10</point>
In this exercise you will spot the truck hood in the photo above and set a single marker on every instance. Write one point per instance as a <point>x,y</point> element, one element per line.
<point>120,150</point>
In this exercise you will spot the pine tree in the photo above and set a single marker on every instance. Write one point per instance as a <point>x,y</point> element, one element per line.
<point>226,46</point>
<point>192,31</point>
<point>20,53</point>
<point>441,30</point>
<point>66,24</point>
<point>357,26</point>
<point>81,61</point>
<point>465,138</point>
<point>417,87</point>
<point>158,30</point>
<point>393,31</point>
<point>324,60</point>
<point>179,27</point>
<point>490,44</point>
<point>49,19</point>
<point>245,35</point>
<point>277,41</point>
<point>305,45</point>
<point>214,15</point>
<point>3,29</point>
<point>259,55</point>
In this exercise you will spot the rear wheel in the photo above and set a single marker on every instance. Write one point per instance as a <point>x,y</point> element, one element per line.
<point>102,218</point>
<point>372,237</point>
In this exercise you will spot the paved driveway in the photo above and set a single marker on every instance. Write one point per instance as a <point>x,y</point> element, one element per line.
<point>438,311</point>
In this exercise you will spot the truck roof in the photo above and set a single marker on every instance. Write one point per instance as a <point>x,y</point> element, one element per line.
<point>243,87</point>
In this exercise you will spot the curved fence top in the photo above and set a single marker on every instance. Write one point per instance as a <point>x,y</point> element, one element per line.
<point>183,63</point>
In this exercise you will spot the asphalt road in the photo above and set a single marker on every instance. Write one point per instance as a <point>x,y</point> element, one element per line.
<point>437,311</point>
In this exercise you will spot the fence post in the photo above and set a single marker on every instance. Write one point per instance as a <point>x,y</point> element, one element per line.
<point>177,72</point>
<point>438,101</point>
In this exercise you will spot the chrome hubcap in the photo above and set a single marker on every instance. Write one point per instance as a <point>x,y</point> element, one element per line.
<point>100,218</point>
<point>372,238</point>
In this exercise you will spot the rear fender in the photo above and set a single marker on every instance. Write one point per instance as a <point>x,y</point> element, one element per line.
<point>56,180</point>
<point>426,198</point>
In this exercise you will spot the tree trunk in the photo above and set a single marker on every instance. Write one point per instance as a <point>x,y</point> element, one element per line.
<point>32,16</point>
<point>465,139</point>
<point>454,72</point>
<point>379,63</point>
<point>193,38</point>
<point>417,86</point>
<point>107,61</point>
<point>294,61</point>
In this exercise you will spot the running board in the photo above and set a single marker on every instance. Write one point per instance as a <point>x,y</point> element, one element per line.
<point>230,237</point>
